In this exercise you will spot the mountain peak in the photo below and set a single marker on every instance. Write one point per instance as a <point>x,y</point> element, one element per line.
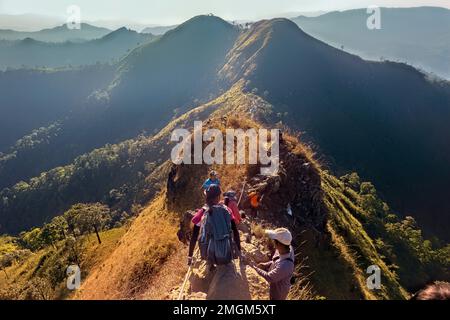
<point>83,25</point>
<point>203,22</point>
<point>119,32</point>
<point>278,25</point>
<point>284,22</point>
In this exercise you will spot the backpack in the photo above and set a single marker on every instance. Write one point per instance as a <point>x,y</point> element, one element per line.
<point>215,240</point>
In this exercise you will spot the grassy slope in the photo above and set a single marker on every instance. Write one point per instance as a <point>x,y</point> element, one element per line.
<point>140,254</point>
<point>39,262</point>
<point>355,246</point>
<point>136,265</point>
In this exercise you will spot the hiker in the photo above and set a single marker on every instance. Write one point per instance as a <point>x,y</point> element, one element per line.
<point>230,200</point>
<point>213,179</point>
<point>216,226</point>
<point>280,270</point>
<point>255,200</point>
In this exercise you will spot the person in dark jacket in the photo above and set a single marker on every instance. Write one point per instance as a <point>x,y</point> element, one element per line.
<point>279,271</point>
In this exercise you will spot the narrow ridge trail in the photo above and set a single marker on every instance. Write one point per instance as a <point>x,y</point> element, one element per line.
<point>235,281</point>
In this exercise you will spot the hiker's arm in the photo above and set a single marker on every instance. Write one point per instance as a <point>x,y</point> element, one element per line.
<point>237,239</point>
<point>280,272</point>
<point>194,238</point>
<point>265,265</point>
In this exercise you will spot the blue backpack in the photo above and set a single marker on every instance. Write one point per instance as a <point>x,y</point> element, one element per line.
<point>215,240</point>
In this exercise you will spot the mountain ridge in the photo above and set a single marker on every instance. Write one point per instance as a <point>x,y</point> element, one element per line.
<point>59,33</point>
<point>401,28</point>
<point>271,75</point>
<point>321,88</point>
<point>29,52</point>
<point>273,49</point>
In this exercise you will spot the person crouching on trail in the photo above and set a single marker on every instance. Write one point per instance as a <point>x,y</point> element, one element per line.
<point>213,179</point>
<point>280,270</point>
<point>216,227</point>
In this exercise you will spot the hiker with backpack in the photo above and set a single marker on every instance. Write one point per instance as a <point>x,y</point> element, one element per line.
<point>280,270</point>
<point>217,228</point>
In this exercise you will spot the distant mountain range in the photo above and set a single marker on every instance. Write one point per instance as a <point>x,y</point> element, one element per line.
<point>385,120</point>
<point>28,22</point>
<point>57,34</point>
<point>30,53</point>
<point>418,36</point>
<point>158,30</point>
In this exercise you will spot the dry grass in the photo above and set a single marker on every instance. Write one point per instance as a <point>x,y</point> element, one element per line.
<point>258,231</point>
<point>169,277</point>
<point>140,254</point>
<point>93,253</point>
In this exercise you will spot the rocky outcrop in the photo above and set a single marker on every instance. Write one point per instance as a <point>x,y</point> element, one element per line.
<point>294,195</point>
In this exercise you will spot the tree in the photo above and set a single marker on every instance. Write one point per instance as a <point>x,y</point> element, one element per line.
<point>60,226</point>
<point>352,180</point>
<point>85,218</point>
<point>6,261</point>
<point>32,239</point>
<point>370,202</point>
<point>54,231</point>
<point>75,249</point>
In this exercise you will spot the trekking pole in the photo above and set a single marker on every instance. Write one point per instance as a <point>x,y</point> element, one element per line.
<point>242,192</point>
<point>180,295</point>
<point>186,277</point>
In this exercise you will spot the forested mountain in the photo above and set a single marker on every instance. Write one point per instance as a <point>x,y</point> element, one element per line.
<point>349,108</point>
<point>385,120</point>
<point>50,95</point>
<point>418,36</point>
<point>57,34</point>
<point>148,87</point>
<point>85,148</point>
<point>29,53</point>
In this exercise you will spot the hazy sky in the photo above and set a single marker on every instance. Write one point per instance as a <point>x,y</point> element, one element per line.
<point>176,11</point>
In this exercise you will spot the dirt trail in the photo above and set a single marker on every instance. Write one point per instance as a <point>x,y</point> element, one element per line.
<point>235,281</point>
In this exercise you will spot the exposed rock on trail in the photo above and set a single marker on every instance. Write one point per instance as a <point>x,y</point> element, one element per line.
<point>296,186</point>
